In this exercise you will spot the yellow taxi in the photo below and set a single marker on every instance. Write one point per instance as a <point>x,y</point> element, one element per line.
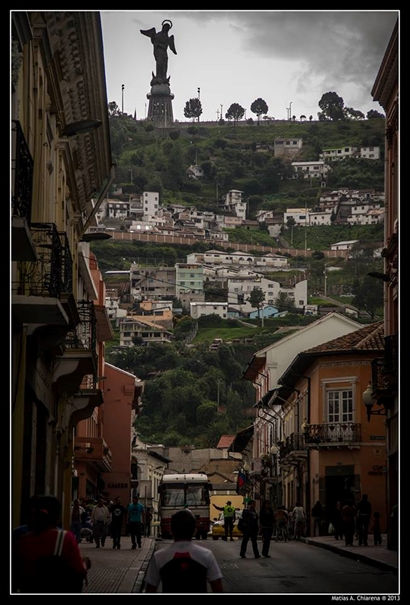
<point>218,529</point>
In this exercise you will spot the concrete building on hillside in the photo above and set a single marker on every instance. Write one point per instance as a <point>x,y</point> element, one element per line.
<point>234,203</point>
<point>152,282</point>
<point>199,309</point>
<point>287,148</point>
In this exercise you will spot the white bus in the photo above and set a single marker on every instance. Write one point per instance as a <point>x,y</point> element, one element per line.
<point>184,491</point>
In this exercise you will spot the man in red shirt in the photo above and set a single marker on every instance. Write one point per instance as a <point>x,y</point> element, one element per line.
<point>33,554</point>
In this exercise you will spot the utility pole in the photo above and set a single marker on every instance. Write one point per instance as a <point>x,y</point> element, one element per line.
<point>305,227</point>
<point>122,95</point>
<point>221,112</point>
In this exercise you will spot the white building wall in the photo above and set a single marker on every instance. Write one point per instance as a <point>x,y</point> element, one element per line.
<point>197,309</point>
<point>150,204</point>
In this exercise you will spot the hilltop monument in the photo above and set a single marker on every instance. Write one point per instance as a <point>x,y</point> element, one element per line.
<point>160,97</point>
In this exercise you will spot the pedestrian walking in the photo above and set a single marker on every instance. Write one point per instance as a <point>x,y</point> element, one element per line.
<point>377,534</point>
<point>348,514</point>
<point>100,519</point>
<point>317,514</point>
<point>76,513</point>
<point>281,519</point>
<point>117,516</point>
<point>229,518</point>
<point>135,520</point>
<point>337,521</point>
<point>47,559</point>
<point>267,520</point>
<point>364,509</point>
<point>249,523</point>
<point>299,518</point>
<point>183,567</point>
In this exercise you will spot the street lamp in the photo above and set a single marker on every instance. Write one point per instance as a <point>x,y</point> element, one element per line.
<point>367,398</point>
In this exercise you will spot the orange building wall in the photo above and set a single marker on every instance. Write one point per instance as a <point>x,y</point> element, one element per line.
<point>119,388</point>
<point>370,460</point>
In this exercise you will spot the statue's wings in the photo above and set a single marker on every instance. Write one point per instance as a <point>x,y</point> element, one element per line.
<point>171,44</point>
<point>148,32</point>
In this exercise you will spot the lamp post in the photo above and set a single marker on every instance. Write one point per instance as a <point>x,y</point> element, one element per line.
<point>367,398</point>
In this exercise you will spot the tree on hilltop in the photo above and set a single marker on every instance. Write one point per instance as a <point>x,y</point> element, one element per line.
<point>193,109</point>
<point>259,107</point>
<point>374,114</point>
<point>235,112</point>
<point>332,107</point>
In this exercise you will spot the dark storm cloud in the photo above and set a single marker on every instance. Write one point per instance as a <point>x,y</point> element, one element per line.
<point>348,44</point>
<point>334,47</point>
<point>344,43</point>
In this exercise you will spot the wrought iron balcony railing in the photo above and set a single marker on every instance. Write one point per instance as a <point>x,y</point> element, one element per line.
<point>294,442</point>
<point>332,432</point>
<point>22,173</point>
<point>385,370</point>
<point>51,273</point>
<point>84,335</point>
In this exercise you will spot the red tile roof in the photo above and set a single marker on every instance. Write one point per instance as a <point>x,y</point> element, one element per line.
<point>225,441</point>
<point>368,338</point>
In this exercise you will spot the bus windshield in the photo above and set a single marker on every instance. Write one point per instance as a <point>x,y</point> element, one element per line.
<point>188,495</point>
<point>196,495</point>
<point>173,496</point>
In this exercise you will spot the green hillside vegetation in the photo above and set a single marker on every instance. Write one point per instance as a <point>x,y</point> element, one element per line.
<point>184,384</point>
<point>237,157</point>
<point>321,237</point>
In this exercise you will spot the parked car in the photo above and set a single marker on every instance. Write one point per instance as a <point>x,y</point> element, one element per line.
<point>218,529</point>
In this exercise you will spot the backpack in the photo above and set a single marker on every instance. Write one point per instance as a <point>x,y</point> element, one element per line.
<point>53,574</point>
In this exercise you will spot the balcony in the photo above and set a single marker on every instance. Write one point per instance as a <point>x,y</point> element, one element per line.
<point>385,372</point>
<point>94,451</point>
<point>80,352</point>
<point>293,450</point>
<point>294,445</point>
<point>42,287</point>
<point>22,189</point>
<point>332,434</point>
<point>88,397</point>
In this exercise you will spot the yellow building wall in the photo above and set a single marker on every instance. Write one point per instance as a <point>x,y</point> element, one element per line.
<point>221,500</point>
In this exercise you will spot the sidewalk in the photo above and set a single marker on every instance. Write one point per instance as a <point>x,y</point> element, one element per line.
<point>114,570</point>
<point>379,555</point>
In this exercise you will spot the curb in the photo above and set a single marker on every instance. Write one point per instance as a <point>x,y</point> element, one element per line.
<point>353,555</point>
<point>139,581</point>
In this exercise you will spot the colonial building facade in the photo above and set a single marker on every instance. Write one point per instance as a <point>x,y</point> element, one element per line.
<point>61,171</point>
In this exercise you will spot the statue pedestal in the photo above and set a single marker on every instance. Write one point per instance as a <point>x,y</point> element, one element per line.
<point>160,105</point>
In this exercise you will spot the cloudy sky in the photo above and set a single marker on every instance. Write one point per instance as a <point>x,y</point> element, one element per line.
<point>288,58</point>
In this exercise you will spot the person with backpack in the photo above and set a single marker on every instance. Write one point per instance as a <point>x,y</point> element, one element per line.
<point>183,567</point>
<point>47,558</point>
<point>229,518</point>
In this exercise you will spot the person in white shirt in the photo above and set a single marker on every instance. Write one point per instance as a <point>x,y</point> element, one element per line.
<point>100,518</point>
<point>299,519</point>
<point>183,566</point>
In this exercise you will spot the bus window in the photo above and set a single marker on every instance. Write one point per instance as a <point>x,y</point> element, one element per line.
<point>173,496</point>
<point>196,495</point>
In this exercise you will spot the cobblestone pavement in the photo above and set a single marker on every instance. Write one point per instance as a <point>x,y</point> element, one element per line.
<point>117,571</point>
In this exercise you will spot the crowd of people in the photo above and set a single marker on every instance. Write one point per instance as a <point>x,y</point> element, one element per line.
<point>46,558</point>
<point>348,521</point>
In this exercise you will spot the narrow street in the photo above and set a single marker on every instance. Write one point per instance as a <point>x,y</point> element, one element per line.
<point>296,567</point>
